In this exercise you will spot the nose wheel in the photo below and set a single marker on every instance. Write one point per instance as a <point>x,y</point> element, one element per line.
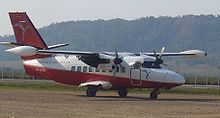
<point>154,94</point>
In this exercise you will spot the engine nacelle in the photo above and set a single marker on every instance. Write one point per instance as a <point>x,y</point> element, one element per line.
<point>132,60</point>
<point>107,57</point>
<point>137,64</point>
<point>23,50</point>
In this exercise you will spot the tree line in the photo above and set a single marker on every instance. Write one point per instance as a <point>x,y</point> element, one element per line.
<point>140,35</point>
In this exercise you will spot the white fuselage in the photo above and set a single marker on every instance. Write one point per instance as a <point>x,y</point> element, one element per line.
<point>72,63</point>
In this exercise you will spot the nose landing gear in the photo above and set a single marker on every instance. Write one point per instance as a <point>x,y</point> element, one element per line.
<point>154,94</point>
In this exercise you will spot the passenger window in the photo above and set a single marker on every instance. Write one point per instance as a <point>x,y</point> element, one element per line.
<point>79,68</point>
<point>73,68</point>
<point>85,69</point>
<point>90,69</point>
<point>110,71</point>
<point>103,70</point>
<point>96,70</point>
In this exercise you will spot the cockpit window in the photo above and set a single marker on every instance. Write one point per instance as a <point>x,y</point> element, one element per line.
<point>149,64</point>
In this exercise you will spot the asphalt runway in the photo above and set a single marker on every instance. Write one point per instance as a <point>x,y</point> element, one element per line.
<point>69,104</point>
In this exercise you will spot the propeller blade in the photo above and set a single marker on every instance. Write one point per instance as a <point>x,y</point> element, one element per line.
<point>161,52</point>
<point>117,60</point>
<point>116,53</point>
<point>158,59</point>
<point>164,64</point>
<point>141,54</point>
<point>122,68</point>
<point>114,72</point>
<point>155,54</point>
<point>117,63</point>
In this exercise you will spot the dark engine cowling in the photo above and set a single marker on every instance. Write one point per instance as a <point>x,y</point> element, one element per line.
<point>94,61</point>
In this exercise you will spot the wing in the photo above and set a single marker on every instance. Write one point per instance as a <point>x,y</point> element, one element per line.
<point>80,53</point>
<point>91,58</point>
<point>188,53</point>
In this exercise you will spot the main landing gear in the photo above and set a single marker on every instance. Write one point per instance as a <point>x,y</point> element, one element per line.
<point>122,92</point>
<point>91,91</point>
<point>154,94</point>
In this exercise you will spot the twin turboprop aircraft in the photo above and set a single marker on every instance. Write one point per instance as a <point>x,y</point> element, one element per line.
<point>94,70</point>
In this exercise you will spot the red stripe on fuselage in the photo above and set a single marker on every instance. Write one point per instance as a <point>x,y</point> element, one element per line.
<point>76,78</point>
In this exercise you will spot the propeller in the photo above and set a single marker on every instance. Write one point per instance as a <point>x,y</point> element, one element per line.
<point>158,59</point>
<point>117,62</point>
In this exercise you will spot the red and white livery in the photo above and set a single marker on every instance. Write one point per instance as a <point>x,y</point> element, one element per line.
<point>95,70</point>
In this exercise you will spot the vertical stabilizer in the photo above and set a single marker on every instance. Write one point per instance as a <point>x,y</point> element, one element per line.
<point>25,32</point>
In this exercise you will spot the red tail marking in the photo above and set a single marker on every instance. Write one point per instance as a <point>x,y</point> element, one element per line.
<point>24,30</point>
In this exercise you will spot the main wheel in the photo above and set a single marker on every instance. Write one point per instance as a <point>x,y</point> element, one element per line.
<point>154,94</point>
<point>122,92</point>
<point>91,91</point>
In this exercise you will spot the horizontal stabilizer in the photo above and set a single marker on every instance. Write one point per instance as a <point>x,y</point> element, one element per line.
<point>57,46</point>
<point>11,44</point>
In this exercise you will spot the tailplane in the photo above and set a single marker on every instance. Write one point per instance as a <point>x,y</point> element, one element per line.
<point>29,44</point>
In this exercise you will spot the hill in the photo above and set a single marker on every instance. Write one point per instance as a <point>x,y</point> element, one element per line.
<point>140,35</point>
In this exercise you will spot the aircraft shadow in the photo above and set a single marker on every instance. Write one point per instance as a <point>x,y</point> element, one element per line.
<point>133,98</point>
<point>115,98</point>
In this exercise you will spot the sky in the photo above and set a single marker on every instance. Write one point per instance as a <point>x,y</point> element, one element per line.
<point>44,12</point>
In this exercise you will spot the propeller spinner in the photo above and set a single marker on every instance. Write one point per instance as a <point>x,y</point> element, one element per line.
<point>158,59</point>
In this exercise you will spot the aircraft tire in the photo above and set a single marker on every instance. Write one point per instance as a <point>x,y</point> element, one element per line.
<point>91,91</point>
<point>122,92</point>
<point>154,94</point>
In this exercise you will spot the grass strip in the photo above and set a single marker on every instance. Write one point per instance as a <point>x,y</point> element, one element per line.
<point>45,85</point>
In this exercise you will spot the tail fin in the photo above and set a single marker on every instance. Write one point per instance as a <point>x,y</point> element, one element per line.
<point>25,32</point>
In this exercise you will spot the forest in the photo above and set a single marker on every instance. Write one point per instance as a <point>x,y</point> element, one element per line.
<point>145,34</point>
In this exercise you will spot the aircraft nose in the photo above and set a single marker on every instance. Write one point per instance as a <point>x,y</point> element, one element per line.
<point>178,79</point>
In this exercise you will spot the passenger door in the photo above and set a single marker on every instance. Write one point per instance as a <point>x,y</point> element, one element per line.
<point>135,77</point>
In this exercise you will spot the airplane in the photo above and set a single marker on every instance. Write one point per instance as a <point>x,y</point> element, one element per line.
<point>94,70</point>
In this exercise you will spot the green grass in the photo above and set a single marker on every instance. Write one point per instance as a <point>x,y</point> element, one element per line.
<point>202,80</point>
<point>51,86</point>
<point>36,86</point>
